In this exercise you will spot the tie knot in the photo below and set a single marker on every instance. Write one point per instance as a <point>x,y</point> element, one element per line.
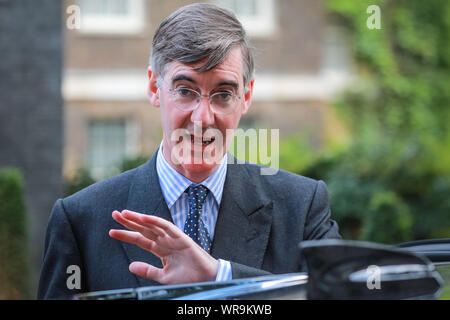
<point>198,193</point>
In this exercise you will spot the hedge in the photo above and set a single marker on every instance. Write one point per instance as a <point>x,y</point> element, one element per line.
<point>14,276</point>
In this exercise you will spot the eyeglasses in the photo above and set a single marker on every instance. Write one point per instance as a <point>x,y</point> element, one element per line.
<point>221,102</point>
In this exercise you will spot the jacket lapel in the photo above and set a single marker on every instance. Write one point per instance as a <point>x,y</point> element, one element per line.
<point>145,196</point>
<point>243,223</point>
<point>244,220</point>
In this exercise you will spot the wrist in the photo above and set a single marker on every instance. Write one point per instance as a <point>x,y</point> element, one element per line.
<point>213,268</point>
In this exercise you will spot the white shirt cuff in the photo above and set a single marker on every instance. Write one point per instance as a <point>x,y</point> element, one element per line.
<point>224,271</point>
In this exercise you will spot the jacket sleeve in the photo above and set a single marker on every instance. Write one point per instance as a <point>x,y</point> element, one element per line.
<point>318,224</point>
<point>240,271</point>
<point>62,270</point>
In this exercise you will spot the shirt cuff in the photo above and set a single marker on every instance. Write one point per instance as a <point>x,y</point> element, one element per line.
<point>224,271</point>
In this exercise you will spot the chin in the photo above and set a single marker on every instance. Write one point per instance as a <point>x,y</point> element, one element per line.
<point>199,168</point>
<point>201,162</point>
<point>202,165</point>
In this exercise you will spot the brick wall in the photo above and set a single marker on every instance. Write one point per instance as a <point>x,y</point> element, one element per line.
<point>31,107</point>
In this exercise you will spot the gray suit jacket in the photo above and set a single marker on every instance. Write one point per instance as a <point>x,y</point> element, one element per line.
<point>261,220</point>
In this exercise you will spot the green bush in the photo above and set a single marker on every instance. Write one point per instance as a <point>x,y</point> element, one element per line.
<point>392,183</point>
<point>79,181</point>
<point>388,219</point>
<point>14,277</point>
<point>133,162</point>
<point>83,177</point>
<point>404,78</point>
<point>384,191</point>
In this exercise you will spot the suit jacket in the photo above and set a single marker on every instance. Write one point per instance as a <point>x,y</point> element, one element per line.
<point>261,221</point>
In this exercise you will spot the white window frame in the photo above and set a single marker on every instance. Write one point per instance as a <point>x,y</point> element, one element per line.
<point>98,24</point>
<point>336,55</point>
<point>263,24</point>
<point>131,147</point>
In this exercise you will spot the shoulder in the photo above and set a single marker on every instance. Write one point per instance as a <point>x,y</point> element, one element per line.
<point>108,187</point>
<point>108,193</point>
<point>279,177</point>
<point>284,184</point>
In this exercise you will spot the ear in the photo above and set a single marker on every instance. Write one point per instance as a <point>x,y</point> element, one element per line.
<point>248,94</point>
<point>152,89</point>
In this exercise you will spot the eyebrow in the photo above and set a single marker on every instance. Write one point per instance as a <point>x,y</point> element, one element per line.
<point>233,84</point>
<point>183,77</point>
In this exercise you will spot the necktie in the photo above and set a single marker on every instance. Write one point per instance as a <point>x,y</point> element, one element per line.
<point>194,226</point>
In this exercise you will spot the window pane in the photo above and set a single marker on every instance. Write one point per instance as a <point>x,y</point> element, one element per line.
<point>245,8</point>
<point>105,7</point>
<point>335,55</point>
<point>239,7</point>
<point>256,16</point>
<point>107,146</point>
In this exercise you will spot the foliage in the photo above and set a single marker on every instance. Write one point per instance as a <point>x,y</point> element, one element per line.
<point>83,177</point>
<point>295,154</point>
<point>132,162</point>
<point>80,180</point>
<point>444,271</point>
<point>403,67</point>
<point>14,274</point>
<point>392,183</point>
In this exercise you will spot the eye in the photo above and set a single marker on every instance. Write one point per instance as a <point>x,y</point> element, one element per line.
<point>185,92</point>
<point>224,95</point>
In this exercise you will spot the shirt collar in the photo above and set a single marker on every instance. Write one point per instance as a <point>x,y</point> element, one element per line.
<point>173,184</point>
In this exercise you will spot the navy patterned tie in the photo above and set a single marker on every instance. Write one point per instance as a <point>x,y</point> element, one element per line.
<point>194,226</point>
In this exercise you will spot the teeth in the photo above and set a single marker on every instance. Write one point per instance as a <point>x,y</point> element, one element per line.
<point>204,141</point>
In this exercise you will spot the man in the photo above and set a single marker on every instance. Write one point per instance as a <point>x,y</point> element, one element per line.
<point>188,214</point>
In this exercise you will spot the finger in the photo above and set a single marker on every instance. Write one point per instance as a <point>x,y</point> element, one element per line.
<point>147,271</point>
<point>134,238</point>
<point>136,218</point>
<point>146,232</point>
<point>125,222</point>
<point>137,239</point>
<point>161,224</point>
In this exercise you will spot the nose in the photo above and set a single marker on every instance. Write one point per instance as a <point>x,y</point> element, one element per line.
<point>203,113</point>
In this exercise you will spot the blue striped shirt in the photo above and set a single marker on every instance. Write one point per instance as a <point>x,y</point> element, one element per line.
<point>173,184</point>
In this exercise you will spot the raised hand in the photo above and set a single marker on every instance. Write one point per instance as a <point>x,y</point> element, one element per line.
<point>182,259</point>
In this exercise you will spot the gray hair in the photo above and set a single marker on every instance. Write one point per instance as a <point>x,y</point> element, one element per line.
<point>200,31</point>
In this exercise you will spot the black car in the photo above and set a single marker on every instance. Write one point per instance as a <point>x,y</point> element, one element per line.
<point>337,269</point>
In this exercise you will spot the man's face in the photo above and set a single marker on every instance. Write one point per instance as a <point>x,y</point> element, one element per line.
<point>191,130</point>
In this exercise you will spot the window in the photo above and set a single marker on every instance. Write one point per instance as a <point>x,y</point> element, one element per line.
<point>111,16</point>
<point>256,16</point>
<point>335,51</point>
<point>107,146</point>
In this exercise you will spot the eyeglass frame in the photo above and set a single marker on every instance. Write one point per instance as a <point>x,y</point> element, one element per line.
<point>199,96</point>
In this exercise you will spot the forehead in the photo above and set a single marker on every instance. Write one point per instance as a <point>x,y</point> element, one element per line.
<point>230,69</point>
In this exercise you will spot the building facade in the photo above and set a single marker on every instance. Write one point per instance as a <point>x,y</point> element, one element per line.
<point>301,62</point>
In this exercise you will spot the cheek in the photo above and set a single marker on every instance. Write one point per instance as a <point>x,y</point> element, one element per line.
<point>172,118</point>
<point>231,122</point>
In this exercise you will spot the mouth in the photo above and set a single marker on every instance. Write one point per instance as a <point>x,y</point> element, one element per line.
<point>201,141</point>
